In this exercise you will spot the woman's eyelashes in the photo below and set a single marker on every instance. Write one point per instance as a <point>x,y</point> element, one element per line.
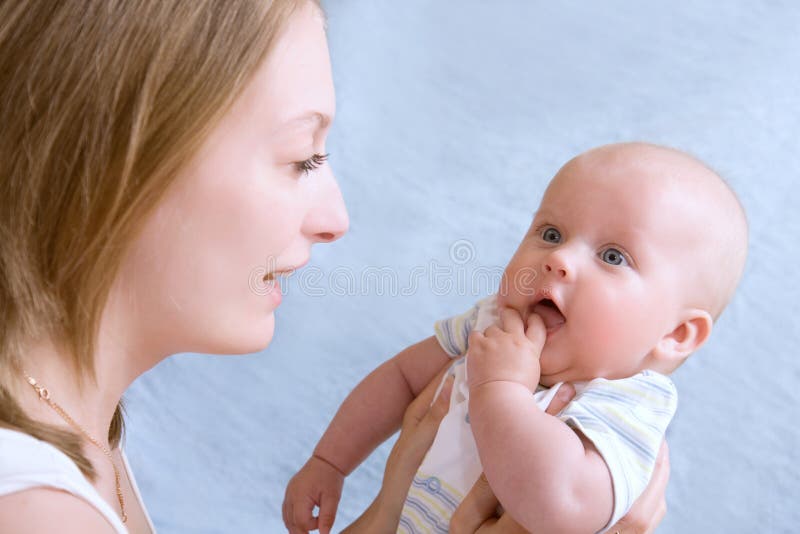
<point>312,163</point>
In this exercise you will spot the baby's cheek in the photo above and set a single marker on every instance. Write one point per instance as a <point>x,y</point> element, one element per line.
<point>607,318</point>
<point>626,328</point>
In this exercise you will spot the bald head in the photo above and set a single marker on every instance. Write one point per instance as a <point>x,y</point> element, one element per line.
<point>701,210</point>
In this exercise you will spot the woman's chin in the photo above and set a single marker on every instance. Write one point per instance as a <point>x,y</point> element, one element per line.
<point>248,338</point>
<point>264,334</point>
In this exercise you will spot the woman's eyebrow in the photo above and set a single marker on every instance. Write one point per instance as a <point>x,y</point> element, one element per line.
<point>315,118</point>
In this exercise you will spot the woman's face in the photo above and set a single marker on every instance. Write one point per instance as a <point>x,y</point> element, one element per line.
<point>242,208</point>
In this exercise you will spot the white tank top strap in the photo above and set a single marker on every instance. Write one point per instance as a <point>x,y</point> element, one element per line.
<point>26,462</point>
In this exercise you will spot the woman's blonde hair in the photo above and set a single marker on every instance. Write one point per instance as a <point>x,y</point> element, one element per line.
<point>101,103</point>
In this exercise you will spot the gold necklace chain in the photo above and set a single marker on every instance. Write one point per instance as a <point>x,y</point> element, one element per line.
<point>44,395</point>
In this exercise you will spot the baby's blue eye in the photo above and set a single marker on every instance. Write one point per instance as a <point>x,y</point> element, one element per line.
<point>613,256</point>
<point>551,235</point>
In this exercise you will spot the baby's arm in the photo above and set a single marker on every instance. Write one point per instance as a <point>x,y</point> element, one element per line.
<point>547,477</point>
<point>370,414</point>
<point>374,410</point>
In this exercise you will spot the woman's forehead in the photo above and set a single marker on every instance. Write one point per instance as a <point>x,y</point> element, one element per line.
<point>294,86</point>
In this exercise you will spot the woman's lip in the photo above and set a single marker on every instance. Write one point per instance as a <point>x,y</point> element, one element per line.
<point>286,271</point>
<point>274,292</point>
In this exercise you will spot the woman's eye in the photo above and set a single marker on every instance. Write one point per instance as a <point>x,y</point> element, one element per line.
<point>551,235</point>
<point>311,163</point>
<point>613,256</point>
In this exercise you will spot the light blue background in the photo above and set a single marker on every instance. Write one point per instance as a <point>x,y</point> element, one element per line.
<point>452,117</point>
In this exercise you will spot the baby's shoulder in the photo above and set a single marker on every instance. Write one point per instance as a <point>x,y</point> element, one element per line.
<point>647,388</point>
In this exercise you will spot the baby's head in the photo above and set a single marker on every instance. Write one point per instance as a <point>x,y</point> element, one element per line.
<point>634,252</point>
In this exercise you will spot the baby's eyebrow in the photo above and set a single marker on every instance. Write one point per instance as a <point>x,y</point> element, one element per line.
<point>541,213</point>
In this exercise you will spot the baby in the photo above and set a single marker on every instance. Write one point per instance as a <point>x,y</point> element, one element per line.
<point>634,252</point>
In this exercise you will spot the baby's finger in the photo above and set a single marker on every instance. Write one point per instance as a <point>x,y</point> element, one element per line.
<point>288,519</point>
<point>566,392</point>
<point>512,321</point>
<point>287,516</point>
<point>492,331</point>
<point>475,337</point>
<point>302,515</point>
<point>327,512</point>
<point>479,505</point>
<point>536,331</point>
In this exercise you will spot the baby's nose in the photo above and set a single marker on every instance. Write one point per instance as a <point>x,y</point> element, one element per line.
<point>561,271</point>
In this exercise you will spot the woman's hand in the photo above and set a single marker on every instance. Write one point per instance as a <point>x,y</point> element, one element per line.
<point>420,423</point>
<point>651,506</point>
<point>478,512</point>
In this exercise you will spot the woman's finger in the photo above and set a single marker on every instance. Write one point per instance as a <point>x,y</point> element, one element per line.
<point>565,393</point>
<point>428,424</point>
<point>503,525</point>
<point>651,506</point>
<point>420,406</point>
<point>478,506</point>
<point>420,425</point>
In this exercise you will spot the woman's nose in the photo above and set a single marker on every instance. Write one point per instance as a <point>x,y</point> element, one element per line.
<point>327,220</point>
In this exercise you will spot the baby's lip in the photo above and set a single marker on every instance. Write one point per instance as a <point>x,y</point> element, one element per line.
<point>547,307</point>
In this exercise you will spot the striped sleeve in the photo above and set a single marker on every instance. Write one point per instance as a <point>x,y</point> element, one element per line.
<point>452,333</point>
<point>626,420</point>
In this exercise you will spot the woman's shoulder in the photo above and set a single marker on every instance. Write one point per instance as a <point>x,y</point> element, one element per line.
<point>38,483</point>
<point>44,509</point>
<point>28,462</point>
<point>21,452</point>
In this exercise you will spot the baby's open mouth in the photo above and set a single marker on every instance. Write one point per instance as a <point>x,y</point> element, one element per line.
<point>550,314</point>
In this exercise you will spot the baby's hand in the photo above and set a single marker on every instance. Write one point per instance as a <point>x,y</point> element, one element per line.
<point>318,483</point>
<point>508,353</point>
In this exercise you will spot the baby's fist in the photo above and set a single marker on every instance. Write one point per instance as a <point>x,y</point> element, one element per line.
<point>318,483</point>
<point>507,353</point>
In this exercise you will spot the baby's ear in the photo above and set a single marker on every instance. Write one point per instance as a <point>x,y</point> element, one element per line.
<point>688,336</point>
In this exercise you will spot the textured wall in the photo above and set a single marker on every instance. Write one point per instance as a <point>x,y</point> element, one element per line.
<point>452,117</point>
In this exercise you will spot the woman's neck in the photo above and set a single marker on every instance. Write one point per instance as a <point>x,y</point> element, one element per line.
<point>90,401</point>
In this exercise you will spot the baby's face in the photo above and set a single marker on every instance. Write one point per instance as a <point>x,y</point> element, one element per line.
<point>600,264</point>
